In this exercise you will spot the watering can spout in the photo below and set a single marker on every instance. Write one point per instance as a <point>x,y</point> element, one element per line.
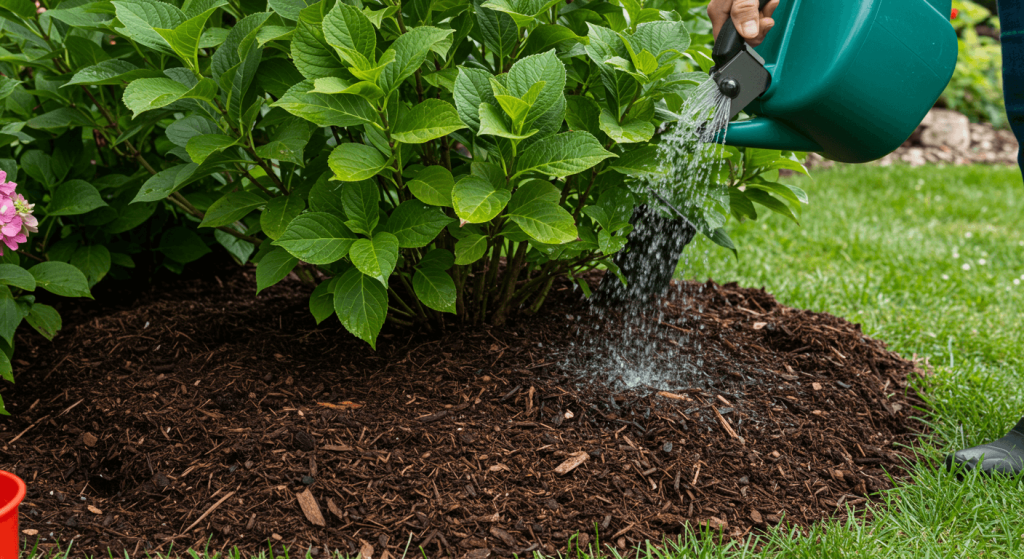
<point>767,133</point>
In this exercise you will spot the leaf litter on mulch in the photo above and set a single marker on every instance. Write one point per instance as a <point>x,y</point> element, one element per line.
<point>195,414</point>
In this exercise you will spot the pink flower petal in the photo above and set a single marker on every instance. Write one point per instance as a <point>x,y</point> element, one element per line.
<point>12,228</point>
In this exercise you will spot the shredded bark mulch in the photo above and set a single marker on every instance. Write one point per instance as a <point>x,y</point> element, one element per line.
<point>195,414</point>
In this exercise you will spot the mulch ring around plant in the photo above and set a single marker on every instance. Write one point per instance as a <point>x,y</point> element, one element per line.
<point>200,415</point>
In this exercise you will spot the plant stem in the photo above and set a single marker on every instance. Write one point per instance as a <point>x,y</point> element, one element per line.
<point>32,256</point>
<point>459,275</point>
<point>267,168</point>
<point>401,312</point>
<point>569,182</point>
<point>509,284</point>
<point>400,301</point>
<point>492,270</point>
<point>539,301</point>
<point>178,200</point>
<point>419,306</point>
<point>253,180</point>
<point>446,153</point>
<point>583,197</point>
<point>531,286</point>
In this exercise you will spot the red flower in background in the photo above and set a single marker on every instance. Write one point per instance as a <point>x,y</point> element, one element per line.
<point>955,14</point>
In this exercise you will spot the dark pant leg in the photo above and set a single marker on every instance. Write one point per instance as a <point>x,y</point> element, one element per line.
<point>1011,19</point>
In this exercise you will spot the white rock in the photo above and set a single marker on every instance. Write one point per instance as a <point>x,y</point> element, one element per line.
<point>943,127</point>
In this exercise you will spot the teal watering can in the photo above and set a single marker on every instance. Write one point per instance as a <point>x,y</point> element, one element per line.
<point>851,79</point>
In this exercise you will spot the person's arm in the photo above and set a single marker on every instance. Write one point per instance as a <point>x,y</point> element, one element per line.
<point>751,24</point>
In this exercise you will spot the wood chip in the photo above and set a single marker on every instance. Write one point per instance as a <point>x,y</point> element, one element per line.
<point>756,517</point>
<point>725,425</point>
<point>336,447</point>
<point>89,439</point>
<point>208,511</point>
<point>365,549</point>
<point>499,468</point>
<point>312,510</point>
<point>94,510</point>
<point>30,532</point>
<point>674,327</point>
<point>334,509</point>
<point>816,386</point>
<point>343,406</point>
<point>572,463</point>
<point>760,325</point>
<point>716,523</point>
<point>432,417</point>
<point>21,434</point>
<point>672,396</point>
<point>502,535</point>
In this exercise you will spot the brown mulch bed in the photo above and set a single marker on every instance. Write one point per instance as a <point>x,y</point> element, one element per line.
<point>195,412</point>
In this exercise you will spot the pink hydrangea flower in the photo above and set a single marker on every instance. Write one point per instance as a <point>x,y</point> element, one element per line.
<point>16,219</point>
<point>10,225</point>
<point>24,209</point>
<point>6,188</point>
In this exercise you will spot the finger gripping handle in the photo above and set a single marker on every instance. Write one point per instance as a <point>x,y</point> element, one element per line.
<point>729,41</point>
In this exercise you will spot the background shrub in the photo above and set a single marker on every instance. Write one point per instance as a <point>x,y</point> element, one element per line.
<point>977,85</point>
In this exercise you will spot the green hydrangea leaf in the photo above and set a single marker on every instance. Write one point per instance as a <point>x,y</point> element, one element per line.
<point>317,238</point>
<point>563,155</point>
<point>435,289</point>
<point>356,162</point>
<point>376,257</point>
<point>544,221</point>
<point>429,120</point>
<point>326,110</point>
<point>361,303</point>
<point>477,200</point>
<point>433,186</point>
<point>416,224</point>
<point>470,248</point>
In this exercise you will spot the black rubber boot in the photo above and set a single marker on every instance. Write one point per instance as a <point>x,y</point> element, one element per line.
<point>1001,456</point>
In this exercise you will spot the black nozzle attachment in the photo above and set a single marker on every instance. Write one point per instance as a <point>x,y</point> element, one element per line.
<point>730,42</point>
<point>729,87</point>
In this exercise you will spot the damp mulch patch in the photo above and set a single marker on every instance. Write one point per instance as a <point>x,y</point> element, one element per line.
<point>197,414</point>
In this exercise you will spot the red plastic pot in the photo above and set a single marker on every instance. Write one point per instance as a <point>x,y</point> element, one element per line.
<point>12,491</point>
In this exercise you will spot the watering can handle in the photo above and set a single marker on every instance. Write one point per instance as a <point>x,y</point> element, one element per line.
<point>729,41</point>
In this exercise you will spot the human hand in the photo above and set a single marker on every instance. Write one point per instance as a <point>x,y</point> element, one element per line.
<point>751,24</point>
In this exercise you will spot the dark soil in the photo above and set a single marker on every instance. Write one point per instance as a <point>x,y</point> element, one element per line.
<point>196,412</point>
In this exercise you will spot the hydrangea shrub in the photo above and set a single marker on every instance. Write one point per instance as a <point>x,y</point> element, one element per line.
<point>415,162</point>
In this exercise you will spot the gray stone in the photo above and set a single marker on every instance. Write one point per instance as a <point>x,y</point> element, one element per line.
<point>943,127</point>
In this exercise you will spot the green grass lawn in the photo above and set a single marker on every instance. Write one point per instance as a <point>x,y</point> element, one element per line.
<point>930,260</point>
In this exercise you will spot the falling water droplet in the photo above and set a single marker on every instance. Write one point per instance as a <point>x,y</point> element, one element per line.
<point>689,163</point>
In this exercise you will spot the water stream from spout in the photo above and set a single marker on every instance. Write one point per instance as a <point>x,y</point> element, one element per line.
<point>627,355</point>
